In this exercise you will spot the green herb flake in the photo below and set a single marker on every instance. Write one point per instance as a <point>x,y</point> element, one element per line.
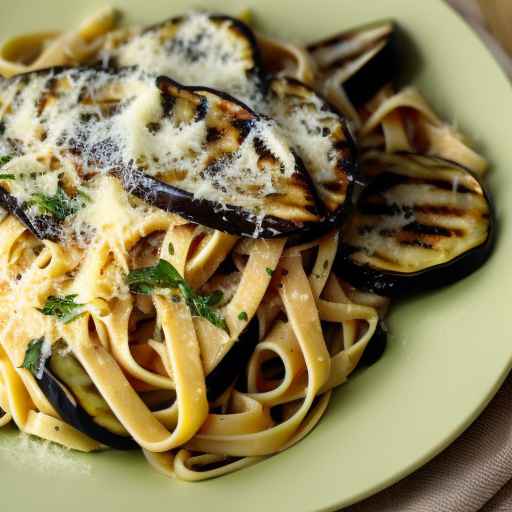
<point>145,280</point>
<point>164,275</point>
<point>170,248</point>
<point>215,298</point>
<point>5,159</point>
<point>7,177</point>
<point>269,271</point>
<point>35,357</point>
<point>64,308</point>
<point>59,205</point>
<point>243,316</point>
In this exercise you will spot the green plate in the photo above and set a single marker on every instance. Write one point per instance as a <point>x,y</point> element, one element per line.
<point>450,349</point>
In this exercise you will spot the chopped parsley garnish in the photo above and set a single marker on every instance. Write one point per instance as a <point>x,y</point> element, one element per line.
<point>171,249</point>
<point>5,159</point>
<point>7,176</point>
<point>59,205</point>
<point>243,316</point>
<point>64,308</point>
<point>164,275</point>
<point>269,271</point>
<point>35,357</point>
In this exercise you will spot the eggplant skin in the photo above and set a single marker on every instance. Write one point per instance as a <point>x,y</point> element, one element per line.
<point>226,218</point>
<point>375,348</point>
<point>376,41</point>
<point>311,121</point>
<point>273,196</point>
<point>233,363</point>
<point>72,413</point>
<point>43,227</point>
<point>378,72</point>
<point>398,284</point>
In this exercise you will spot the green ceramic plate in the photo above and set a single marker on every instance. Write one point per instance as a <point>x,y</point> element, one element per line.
<point>450,350</point>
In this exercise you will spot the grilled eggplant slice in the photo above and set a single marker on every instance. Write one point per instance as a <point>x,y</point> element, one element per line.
<point>197,49</point>
<point>187,49</point>
<point>421,223</point>
<point>233,363</point>
<point>361,60</point>
<point>73,395</point>
<point>195,152</point>
<point>320,137</point>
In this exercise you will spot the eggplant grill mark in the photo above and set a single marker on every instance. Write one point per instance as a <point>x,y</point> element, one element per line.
<point>417,243</point>
<point>340,144</point>
<point>83,94</point>
<point>446,185</point>
<point>244,127</point>
<point>263,152</point>
<point>334,186</point>
<point>439,210</point>
<point>201,110</point>
<point>167,101</point>
<point>382,183</point>
<point>387,233</point>
<point>388,180</point>
<point>154,128</point>
<point>426,229</point>
<point>48,92</point>
<point>346,167</point>
<point>213,134</point>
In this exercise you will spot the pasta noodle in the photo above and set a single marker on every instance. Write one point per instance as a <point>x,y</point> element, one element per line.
<point>148,358</point>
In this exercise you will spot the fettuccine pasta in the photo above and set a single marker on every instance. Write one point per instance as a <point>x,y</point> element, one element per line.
<point>136,327</point>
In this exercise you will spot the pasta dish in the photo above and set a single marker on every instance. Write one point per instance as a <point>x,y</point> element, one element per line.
<point>201,229</point>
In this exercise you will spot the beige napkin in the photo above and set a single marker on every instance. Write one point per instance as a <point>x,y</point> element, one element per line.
<point>475,472</point>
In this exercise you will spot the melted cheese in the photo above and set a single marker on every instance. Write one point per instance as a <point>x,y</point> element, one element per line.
<point>85,122</point>
<point>196,51</point>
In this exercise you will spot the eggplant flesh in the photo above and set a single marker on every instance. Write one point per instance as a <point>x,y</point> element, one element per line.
<point>208,49</point>
<point>320,137</point>
<point>362,60</point>
<point>204,143</point>
<point>71,392</point>
<point>315,132</point>
<point>421,223</point>
<point>233,363</point>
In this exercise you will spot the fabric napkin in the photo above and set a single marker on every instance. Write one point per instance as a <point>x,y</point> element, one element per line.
<point>475,472</point>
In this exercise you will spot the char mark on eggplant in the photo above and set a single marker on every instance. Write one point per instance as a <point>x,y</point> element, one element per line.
<point>421,223</point>
<point>153,132</point>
